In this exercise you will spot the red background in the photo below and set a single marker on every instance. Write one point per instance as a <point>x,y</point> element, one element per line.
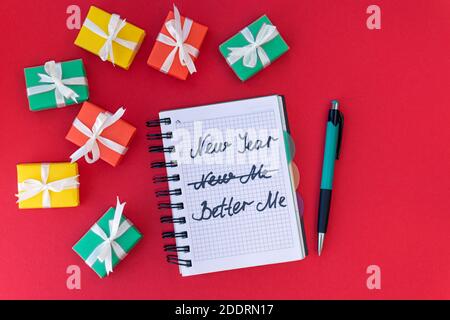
<point>391,200</point>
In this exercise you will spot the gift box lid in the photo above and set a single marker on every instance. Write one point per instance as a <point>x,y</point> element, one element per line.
<point>273,48</point>
<point>87,244</point>
<point>56,171</point>
<point>120,132</point>
<point>92,42</point>
<point>160,51</point>
<point>47,100</point>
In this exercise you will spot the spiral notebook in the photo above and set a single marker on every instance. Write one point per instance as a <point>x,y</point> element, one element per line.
<point>228,186</point>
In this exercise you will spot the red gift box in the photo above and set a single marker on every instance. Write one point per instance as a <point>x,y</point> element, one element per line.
<point>165,57</point>
<point>116,136</point>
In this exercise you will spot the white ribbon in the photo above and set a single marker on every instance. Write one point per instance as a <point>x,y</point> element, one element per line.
<point>115,24</point>
<point>53,81</point>
<point>177,41</point>
<point>32,187</point>
<point>103,252</point>
<point>253,50</point>
<point>103,121</point>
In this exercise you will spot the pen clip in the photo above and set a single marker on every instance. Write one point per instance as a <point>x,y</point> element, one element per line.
<point>341,126</point>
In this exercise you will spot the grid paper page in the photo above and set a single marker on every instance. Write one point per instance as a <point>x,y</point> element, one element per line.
<point>248,233</point>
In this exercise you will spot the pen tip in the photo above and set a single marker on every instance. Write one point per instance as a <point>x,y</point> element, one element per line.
<point>320,243</point>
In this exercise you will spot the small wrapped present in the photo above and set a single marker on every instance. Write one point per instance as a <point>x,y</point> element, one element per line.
<point>177,46</point>
<point>108,241</point>
<point>110,37</point>
<point>56,85</point>
<point>253,48</point>
<point>47,185</point>
<point>100,134</point>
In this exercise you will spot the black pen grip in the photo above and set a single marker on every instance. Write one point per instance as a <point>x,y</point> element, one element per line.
<point>324,210</point>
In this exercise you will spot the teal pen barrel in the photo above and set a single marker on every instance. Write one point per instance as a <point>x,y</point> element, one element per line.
<point>329,156</point>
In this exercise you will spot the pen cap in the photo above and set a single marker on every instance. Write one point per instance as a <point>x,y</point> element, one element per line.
<point>336,117</point>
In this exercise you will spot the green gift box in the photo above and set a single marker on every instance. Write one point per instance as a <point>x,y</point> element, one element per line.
<point>253,48</point>
<point>104,246</point>
<point>56,85</point>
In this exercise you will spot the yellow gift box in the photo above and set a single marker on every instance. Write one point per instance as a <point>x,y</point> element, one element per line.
<point>94,33</point>
<point>47,185</point>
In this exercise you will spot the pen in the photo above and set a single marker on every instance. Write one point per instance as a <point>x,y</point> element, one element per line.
<point>332,148</point>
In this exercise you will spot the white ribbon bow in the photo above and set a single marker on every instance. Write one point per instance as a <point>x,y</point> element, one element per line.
<point>103,121</point>
<point>32,187</point>
<point>103,252</point>
<point>253,50</point>
<point>54,81</point>
<point>177,41</point>
<point>115,24</point>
